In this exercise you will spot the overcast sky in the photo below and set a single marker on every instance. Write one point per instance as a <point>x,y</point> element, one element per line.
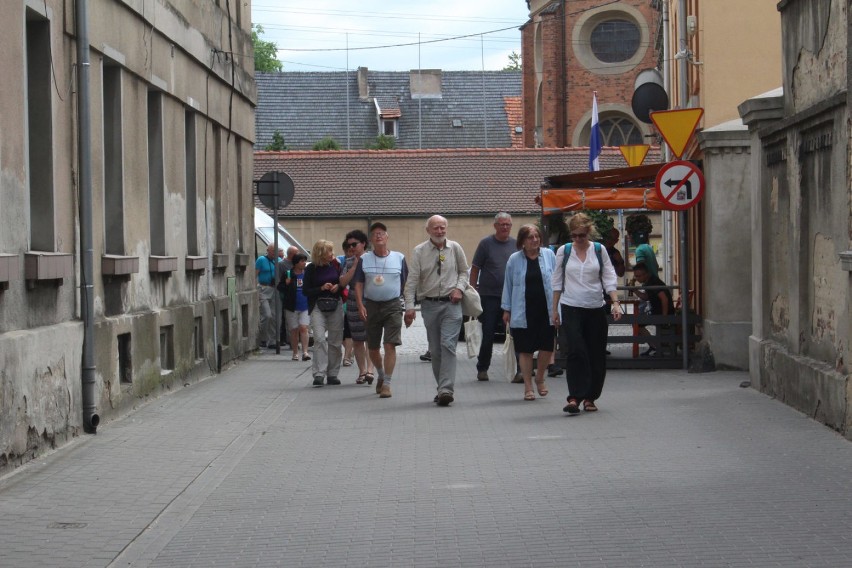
<point>319,26</point>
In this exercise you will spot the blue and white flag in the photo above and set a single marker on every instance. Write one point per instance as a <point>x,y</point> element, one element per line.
<point>595,141</point>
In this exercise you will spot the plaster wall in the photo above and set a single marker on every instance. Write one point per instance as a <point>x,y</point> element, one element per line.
<point>726,240</point>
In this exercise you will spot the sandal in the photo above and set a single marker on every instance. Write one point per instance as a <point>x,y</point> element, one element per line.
<point>347,362</point>
<point>572,407</point>
<point>542,388</point>
<point>368,378</point>
<point>529,395</point>
<point>295,357</point>
<point>306,357</point>
<point>589,406</point>
<point>362,378</point>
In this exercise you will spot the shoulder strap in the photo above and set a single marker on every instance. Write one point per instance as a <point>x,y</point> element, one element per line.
<point>599,254</point>
<point>566,252</point>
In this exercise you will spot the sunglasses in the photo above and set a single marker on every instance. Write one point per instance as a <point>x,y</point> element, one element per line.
<point>579,235</point>
<point>351,245</point>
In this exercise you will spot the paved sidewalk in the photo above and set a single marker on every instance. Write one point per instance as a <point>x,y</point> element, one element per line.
<point>256,468</point>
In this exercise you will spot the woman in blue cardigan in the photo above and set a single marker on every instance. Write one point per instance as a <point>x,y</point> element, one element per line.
<point>527,297</point>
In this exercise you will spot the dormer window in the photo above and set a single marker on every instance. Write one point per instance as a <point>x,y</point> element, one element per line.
<point>390,127</point>
<point>387,114</point>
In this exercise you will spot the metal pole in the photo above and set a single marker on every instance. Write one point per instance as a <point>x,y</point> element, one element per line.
<point>668,238</point>
<point>275,266</point>
<point>684,260</point>
<point>84,141</point>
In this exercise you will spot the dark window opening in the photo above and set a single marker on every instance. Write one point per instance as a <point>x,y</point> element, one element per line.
<point>615,41</point>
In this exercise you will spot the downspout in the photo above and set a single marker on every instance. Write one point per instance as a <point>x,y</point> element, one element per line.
<point>564,66</point>
<point>84,143</point>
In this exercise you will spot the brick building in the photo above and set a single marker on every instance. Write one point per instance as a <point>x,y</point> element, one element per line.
<point>571,49</point>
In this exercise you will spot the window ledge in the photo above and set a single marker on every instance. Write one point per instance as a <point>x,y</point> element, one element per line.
<point>162,264</point>
<point>196,263</point>
<point>44,266</point>
<point>9,269</point>
<point>846,260</point>
<point>241,260</point>
<point>118,265</point>
<point>220,260</point>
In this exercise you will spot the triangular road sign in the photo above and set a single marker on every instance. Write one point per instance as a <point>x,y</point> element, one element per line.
<point>677,126</point>
<point>634,154</point>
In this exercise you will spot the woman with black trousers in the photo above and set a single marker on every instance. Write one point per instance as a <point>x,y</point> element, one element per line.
<point>583,274</point>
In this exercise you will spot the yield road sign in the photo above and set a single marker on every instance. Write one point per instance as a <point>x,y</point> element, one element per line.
<point>634,154</point>
<point>677,126</point>
<point>680,185</point>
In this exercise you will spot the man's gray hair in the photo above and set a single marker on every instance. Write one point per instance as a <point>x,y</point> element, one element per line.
<point>501,215</point>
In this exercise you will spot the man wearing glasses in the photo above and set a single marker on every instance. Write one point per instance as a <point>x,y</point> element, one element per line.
<point>438,277</point>
<point>379,282</point>
<point>486,275</point>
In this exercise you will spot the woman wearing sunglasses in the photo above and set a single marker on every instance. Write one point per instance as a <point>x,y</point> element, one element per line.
<point>355,244</point>
<point>583,274</point>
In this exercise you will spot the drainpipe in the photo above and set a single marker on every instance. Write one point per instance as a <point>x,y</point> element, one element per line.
<point>84,142</point>
<point>563,66</point>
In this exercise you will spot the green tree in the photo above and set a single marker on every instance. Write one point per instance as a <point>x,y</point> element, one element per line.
<point>383,143</point>
<point>265,52</point>
<point>514,62</point>
<point>327,143</point>
<point>277,144</point>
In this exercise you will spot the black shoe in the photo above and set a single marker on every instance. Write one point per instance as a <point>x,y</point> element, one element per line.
<point>554,370</point>
<point>317,381</point>
<point>445,398</point>
<point>573,406</point>
<point>332,381</point>
<point>426,356</point>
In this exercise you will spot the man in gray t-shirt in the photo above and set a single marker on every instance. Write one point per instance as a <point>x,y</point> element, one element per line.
<point>486,275</point>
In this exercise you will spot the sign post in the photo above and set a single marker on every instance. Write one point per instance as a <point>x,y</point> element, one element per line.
<point>276,189</point>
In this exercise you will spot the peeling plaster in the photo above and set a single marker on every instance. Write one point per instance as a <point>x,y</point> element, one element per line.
<point>826,290</point>
<point>820,69</point>
<point>773,196</point>
<point>779,315</point>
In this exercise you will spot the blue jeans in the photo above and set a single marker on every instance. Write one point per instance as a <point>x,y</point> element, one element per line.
<point>492,314</point>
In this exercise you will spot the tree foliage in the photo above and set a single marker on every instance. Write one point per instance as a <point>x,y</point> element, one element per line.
<point>277,144</point>
<point>265,52</point>
<point>327,143</point>
<point>383,142</point>
<point>515,62</point>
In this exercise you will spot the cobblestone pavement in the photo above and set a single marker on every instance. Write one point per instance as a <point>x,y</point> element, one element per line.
<point>256,468</point>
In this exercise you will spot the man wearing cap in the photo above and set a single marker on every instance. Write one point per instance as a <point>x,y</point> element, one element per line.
<point>438,277</point>
<point>379,281</point>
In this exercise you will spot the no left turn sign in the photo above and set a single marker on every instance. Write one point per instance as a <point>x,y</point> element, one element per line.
<point>680,184</point>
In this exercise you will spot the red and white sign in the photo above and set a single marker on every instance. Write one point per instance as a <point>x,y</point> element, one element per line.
<point>680,185</point>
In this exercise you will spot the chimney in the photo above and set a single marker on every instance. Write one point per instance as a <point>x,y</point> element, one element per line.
<point>363,85</point>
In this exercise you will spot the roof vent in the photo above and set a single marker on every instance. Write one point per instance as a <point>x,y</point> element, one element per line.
<point>457,123</point>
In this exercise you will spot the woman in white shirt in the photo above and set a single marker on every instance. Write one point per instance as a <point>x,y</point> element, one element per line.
<point>579,283</point>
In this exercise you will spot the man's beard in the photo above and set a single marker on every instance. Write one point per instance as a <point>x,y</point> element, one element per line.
<point>439,240</point>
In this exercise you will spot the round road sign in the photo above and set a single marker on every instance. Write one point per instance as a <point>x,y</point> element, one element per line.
<point>680,185</point>
<point>275,185</point>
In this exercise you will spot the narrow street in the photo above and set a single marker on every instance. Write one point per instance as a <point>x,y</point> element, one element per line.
<point>256,468</point>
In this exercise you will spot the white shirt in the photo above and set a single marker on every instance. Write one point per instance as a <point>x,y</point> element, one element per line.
<point>580,283</point>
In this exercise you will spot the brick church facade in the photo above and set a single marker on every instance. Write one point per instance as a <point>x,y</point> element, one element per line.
<point>571,49</point>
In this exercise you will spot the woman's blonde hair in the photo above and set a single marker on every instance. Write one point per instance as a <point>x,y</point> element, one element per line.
<point>583,221</point>
<point>320,252</point>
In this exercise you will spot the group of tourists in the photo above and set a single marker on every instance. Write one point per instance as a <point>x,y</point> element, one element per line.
<point>365,296</point>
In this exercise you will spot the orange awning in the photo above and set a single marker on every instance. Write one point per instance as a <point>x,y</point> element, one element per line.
<point>563,200</point>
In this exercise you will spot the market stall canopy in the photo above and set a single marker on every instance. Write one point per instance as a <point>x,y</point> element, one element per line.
<point>620,188</point>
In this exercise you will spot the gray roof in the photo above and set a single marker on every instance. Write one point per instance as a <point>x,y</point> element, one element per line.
<point>305,107</point>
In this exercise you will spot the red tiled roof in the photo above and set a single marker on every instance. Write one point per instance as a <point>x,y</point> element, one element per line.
<point>515,117</point>
<point>355,183</point>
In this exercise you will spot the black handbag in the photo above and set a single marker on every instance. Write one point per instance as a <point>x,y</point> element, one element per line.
<point>326,304</point>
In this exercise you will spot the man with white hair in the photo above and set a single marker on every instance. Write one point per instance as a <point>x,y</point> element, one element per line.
<point>438,276</point>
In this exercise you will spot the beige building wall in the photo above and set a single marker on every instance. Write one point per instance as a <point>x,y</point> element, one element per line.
<point>405,232</point>
<point>161,318</point>
<point>736,54</point>
<point>739,44</point>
